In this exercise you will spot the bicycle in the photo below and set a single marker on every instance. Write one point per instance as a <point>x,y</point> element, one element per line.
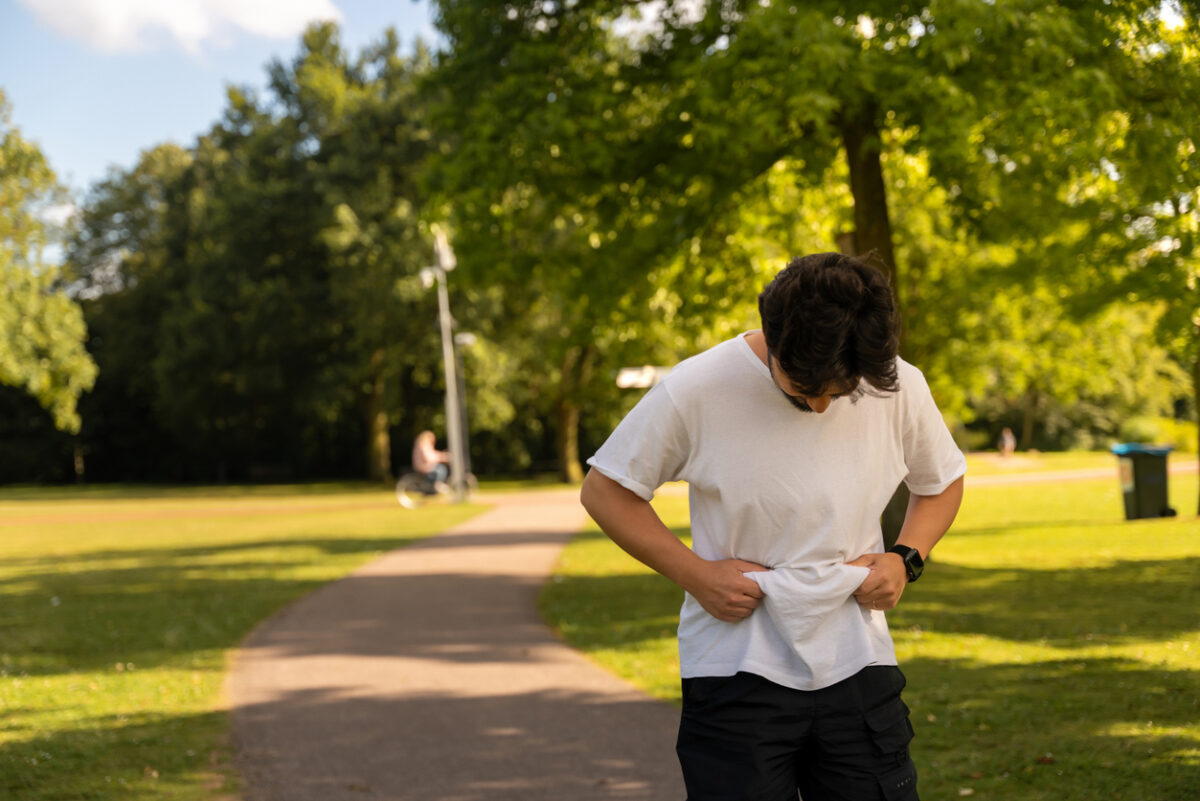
<point>415,489</point>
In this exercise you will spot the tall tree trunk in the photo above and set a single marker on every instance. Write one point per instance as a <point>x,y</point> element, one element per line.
<point>1030,417</point>
<point>872,232</point>
<point>570,468</point>
<point>872,227</point>
<point>576,371</point>
<point>379,440</point>
<point>1196,403</point>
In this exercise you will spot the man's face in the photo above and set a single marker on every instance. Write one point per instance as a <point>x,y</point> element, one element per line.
<point>805,403</point>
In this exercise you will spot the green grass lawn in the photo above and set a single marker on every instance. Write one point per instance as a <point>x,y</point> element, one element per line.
<point>990,464</point>
<point>1052,648</point>
<point>986,463</point>
<point>119,606</point>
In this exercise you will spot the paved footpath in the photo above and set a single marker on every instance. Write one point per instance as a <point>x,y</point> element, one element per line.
<point>428,675</point>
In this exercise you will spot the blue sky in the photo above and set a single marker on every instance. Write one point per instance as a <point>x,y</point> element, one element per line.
<point>94,82</point>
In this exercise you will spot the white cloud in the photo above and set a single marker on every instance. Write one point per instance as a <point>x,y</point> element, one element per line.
<point>130,25</point>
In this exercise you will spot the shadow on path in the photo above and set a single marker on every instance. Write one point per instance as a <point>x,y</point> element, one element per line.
<point>429,675</point>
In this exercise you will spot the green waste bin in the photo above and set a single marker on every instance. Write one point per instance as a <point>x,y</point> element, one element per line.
<point>1143,472</point>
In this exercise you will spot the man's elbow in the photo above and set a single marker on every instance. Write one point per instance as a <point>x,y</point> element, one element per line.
<point>600,493</point>
<point>950,499</point>
<point>955,490</point>
<point>589,492</point>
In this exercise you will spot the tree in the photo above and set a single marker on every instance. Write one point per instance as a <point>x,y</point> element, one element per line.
<point>366,127</point>
<point>633,135</point>
<point>122,257</point>
<point>267,277</point>
<point>42,332</point>
<point>1141,201</point>
<point>529,182</point>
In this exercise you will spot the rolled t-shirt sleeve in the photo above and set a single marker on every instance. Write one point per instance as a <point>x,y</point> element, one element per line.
<point>648,448</point>
<point>934,462</point>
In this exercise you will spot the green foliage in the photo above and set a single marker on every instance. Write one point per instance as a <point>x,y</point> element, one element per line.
<point>42,332</point>
<point>272,271</point>
<point>1179,434</point>
<point>1056,381</point>
<point>598,154</point>
<point>619,181</point>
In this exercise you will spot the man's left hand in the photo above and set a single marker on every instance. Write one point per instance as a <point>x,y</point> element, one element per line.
<point>885,584</point>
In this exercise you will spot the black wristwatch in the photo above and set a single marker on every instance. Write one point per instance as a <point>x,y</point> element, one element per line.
<point>913,563</point>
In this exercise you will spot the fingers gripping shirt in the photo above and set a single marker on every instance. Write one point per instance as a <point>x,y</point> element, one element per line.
<point>799,493</point>
<point>813,609</point>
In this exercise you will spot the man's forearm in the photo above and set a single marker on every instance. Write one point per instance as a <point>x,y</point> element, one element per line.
<point>633,525</point>
<point>929,517</point>
<point>721,587</point>
<point>927,520</point>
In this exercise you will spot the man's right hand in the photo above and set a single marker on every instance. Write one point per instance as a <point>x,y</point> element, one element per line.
<point>723,590</point>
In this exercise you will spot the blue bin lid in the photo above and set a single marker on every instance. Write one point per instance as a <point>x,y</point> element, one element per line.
<point>1126,448</point>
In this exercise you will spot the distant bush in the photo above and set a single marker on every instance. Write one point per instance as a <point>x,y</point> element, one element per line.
<point>1179,434</point>
<point>971,439</point>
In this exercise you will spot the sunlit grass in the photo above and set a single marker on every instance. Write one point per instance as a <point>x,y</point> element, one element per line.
<point>1052,648</point>
<point>82,493</point>
<point>118,611</point>
<point>990,463</point>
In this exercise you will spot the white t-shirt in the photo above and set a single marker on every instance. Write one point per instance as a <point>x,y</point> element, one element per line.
<point>799,492</point>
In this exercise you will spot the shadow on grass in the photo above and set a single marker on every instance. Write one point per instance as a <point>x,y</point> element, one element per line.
<point>118,757</point>
<point>101,610</point>
<point>121,492</point>
<point>1057,524</point>
<point>1078,607</point>
<point>1057,729</point>
<point>323,745</point>
<point>1127,601</point>
<point>181,607</point>
<point>94,609</point>
<point>1060,730</point>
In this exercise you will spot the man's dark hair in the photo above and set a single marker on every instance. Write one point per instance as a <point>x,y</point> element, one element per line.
<point>830,320</point>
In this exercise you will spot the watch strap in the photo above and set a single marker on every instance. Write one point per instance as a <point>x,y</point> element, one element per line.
<point>913,563</point>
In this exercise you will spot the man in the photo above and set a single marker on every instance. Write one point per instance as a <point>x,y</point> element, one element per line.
<point>429,461</point>
<point>792,440</point>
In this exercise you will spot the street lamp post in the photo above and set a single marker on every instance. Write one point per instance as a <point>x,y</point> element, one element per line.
<point>454,416</point>
<point>464,339</point>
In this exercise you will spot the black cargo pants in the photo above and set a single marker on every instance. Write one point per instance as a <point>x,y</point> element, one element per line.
<point>744,738</point>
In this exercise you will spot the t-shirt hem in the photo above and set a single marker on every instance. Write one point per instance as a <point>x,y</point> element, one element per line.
<point>782,676</point>
<point>636,487</point>
<point>937,489</point>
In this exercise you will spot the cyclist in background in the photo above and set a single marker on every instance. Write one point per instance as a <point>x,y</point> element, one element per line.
<point>429,461</point>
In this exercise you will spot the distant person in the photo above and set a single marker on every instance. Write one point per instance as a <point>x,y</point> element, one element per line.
<point>1008,442</point>
<point>792,440</point>
<point>428,460</point>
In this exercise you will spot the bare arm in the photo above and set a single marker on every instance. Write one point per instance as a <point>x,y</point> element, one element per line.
<point>633,524</point>
<point>928,518</point>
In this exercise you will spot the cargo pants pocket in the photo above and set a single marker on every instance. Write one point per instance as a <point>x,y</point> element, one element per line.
<point>891,733</point>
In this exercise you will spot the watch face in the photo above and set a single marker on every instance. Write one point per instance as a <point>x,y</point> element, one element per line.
<point>913,563</point>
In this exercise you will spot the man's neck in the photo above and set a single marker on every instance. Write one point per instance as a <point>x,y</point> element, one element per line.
<point>757,343</point>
